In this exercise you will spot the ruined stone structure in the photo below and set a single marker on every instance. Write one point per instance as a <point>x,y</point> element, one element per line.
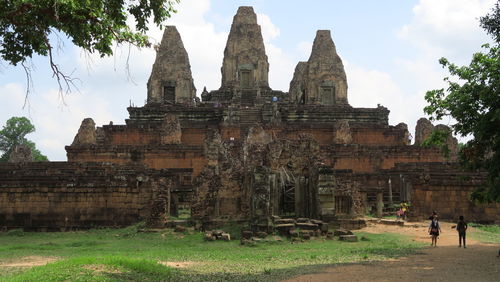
<point>425,128</point>
<point>65,195</point>
<point>322,78</point>
<point>171,80</point>
<point>20,153</point>
<point>248,152</point>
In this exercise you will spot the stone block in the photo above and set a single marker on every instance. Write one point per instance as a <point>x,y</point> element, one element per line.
<point>284,221</point>
<point>307,226</point>
<point>316,221</point>
<point>348,238</point>
<point>342,232</point>
<point>284,228</point>
<point>261,234</point>
<point>225,237</point>
<point>209,237</point>
<point>180,229</point>
<point>246,234</point>
<point>303,220</point>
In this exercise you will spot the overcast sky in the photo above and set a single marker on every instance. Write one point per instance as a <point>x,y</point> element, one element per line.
<point>390,49</point>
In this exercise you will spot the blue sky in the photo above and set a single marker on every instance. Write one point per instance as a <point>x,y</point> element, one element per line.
<point>390,49</point>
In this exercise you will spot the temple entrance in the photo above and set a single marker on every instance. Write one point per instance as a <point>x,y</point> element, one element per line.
<point>245,79</point>
<point>287,200</point>
<point>327,95</point>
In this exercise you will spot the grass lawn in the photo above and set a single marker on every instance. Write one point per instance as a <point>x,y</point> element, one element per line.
<point>125,254</point>
<point>486,233</point>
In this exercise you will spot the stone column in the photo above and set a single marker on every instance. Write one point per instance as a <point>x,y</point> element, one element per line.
<point>380,203</point>
<point>390,193</point>
<point>366,208</point>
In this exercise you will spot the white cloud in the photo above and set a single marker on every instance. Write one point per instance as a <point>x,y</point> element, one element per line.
<point>447,27</point>
<point>269,30</point>
<point>13,96</point>
<point>305,48</point>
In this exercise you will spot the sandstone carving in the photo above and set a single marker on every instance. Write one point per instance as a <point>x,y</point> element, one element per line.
<point>423,129</point>
<point>298,84</point>
<point>86,134</point>
<point>322,80</point>
<point>342,134</point>
<point>20,153</point>
<point>170,131</point>
<point>403,127</point>
<point>171,80</point>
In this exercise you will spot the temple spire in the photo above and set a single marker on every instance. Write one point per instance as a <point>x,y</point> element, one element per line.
<point>245,62</point>
<point>171,80</point>
<point>322,78</point>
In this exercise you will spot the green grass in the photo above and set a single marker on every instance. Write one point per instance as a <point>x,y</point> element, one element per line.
<point>486,233</point>
<point>117,268</point>
<point>126,254</point>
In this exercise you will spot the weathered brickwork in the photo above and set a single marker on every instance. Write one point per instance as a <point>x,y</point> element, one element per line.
<point>65,195</point>
<point>446,188</point>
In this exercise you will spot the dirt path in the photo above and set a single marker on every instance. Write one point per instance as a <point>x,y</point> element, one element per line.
<point>447,262</point>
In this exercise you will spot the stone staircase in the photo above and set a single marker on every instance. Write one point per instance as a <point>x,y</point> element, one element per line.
<point>250,116</point>
<point>248,97</point>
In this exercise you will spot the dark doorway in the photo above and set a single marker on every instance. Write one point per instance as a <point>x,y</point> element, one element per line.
<point>343,205</point>
<point>288,200</point>
<point>169,93</point>
<point>245,79</point>
<point>327,95</point>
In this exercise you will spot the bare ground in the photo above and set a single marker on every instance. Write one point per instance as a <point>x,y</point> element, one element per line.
<point>447,262</point>
<point>28,261</point>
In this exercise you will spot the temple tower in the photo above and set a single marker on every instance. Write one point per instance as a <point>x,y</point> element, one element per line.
<point>322,79</point>
<point>245,65</point>
<point>171,80</point>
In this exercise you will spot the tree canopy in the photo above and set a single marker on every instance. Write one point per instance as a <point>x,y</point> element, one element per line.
<point>473,100</point>
<point>25,26</point>
<point>14,133</point>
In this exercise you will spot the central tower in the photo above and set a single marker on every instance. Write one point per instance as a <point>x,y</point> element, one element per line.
<point>245,65</point>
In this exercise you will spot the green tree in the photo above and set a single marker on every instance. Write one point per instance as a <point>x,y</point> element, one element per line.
<point>14,133</point>
<point>473,100</point>
<point>26,26</point>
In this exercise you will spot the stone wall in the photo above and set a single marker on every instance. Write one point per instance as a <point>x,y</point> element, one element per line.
<point>446,188</point>
<point>65,195</point>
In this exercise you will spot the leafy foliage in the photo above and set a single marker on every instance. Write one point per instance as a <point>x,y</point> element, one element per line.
<point>25,27</point>
<point>473,100</point>
<point>438,138</point>
<point>14,133</point>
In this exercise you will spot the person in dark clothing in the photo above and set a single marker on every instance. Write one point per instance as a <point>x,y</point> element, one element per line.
<point>461,228</point>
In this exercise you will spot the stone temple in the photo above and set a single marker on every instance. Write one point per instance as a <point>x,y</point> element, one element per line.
<point>244,152</point>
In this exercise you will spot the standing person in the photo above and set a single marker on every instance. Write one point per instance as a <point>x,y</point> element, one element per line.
<point>461,228</point>
<point>434,230</point>
<point>399,214</point>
